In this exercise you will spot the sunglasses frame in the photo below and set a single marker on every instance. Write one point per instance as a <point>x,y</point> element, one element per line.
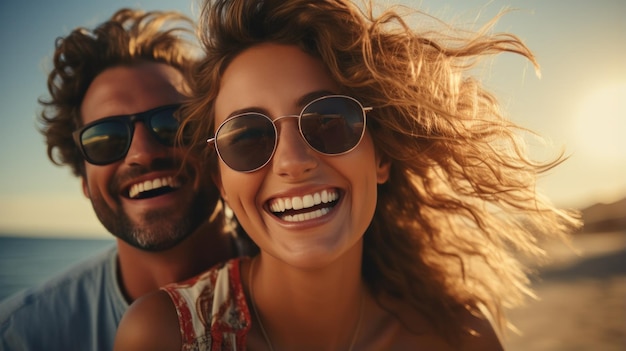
<point>129,122</point>
<point>364,111</point>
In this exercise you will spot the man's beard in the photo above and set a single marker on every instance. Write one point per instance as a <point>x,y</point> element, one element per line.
<point>163,228</point>
<point>163,232</point>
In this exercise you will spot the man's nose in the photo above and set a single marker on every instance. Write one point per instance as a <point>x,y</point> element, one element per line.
<point>144,147</point>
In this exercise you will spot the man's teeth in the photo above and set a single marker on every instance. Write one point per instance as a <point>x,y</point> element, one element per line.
<point>153,184</point>
<point>303,202</point>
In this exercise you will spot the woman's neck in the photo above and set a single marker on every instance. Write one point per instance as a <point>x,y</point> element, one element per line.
<point>313,308</point>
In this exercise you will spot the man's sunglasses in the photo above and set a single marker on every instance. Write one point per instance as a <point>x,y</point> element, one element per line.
<point>331,125</point>
<point>107,140</point>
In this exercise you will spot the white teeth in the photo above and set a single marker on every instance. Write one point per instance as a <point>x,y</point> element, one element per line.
<point>307,201</point>
<point>148,185</point>
<point>303,202</point>
<point>297,203</point>
<point>306,216</point>
<point>324,196</point>
<point>278,206</point>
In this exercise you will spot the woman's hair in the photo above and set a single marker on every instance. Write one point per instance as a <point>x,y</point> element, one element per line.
<point>460,205</point>
<point>129,37</point>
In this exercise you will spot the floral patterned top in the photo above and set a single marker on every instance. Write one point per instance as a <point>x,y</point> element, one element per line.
<point>212,311</point>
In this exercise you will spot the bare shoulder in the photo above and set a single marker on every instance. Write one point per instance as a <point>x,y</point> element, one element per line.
<point>402,328</point>
<point>151,323</point>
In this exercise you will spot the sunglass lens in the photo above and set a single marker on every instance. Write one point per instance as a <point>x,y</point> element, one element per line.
<point>333,125</point>
<point>105,142</point>
<point>246,142</point>
<point>164,125</point>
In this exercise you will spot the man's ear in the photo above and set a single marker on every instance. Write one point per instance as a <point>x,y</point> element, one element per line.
<point>85,187</point>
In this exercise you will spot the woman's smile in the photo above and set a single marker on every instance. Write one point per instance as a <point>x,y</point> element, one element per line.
<point>305,207</point>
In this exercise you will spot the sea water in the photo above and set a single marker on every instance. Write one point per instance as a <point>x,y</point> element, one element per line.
<point>27,261</point>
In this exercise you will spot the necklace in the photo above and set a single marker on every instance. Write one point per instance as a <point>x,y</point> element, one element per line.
<point>258,317</point>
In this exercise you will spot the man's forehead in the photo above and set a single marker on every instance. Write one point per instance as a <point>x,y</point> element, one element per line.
<point>125,90</point>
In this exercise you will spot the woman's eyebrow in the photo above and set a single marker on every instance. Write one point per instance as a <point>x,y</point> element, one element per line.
<point>302,101</point>
<point>252,109</point>
<point>305,99</point>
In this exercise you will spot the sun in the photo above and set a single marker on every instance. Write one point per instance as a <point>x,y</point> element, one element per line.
<point>600,129</point>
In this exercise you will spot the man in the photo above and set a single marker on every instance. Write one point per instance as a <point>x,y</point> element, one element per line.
<point>111,117</point>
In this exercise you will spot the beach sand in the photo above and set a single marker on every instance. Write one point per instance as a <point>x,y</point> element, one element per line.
<point>582,299</point>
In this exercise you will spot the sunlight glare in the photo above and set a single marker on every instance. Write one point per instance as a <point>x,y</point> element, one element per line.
<point>601,124</point>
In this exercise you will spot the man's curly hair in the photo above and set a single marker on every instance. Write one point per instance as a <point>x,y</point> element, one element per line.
<point>128,37</point>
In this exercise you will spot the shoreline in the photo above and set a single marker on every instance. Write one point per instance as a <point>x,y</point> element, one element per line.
<point>581,298</point>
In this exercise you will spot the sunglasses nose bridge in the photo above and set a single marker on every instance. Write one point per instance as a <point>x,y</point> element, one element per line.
<point>294,155</point>
<point>280,119</point>
<point>133,119</point>
<point>145,119</point>
<point>277,119</point>
<point>143,145</point>
<point>130,124</point>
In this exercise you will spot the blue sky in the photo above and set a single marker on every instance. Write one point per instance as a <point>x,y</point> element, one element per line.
<point>579,102</point>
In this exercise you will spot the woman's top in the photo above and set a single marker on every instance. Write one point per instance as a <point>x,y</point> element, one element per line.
<point>212,310</point>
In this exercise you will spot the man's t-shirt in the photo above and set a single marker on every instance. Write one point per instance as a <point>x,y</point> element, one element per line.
<point>77,310</point>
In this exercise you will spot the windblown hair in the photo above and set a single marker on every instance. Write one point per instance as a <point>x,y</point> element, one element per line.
<point>460,205</point>
<point>129,37</point>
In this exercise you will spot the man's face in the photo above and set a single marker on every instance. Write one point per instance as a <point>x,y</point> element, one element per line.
<point>144,199</point>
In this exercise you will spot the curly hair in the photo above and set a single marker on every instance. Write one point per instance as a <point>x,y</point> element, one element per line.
<point>461,205</point>
<point>128,37</point>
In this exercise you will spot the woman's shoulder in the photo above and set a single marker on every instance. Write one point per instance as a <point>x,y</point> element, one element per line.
<point>160,320</point>
<point>151,323</point>
<point>407,329</point>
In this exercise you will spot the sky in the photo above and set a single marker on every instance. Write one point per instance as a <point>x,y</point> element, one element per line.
<point>578,104</point>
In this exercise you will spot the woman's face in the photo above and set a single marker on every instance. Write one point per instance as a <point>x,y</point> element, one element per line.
<point>278,80</point>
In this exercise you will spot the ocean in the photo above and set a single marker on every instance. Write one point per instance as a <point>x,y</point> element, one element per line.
<point>26,261</point>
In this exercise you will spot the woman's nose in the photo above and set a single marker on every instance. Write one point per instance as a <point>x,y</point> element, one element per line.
<point>293,156</point>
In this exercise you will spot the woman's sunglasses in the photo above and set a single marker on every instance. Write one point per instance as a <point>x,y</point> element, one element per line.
<point>331,125</point>
<point>107,140</point>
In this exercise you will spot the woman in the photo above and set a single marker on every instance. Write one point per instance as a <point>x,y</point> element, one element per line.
<point>386,192</point>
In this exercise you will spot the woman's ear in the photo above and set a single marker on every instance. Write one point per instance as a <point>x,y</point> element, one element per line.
<point>217,179</point>
<point>383,165</point>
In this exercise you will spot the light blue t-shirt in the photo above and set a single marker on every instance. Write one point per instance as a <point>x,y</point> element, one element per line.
<point>78,310</point>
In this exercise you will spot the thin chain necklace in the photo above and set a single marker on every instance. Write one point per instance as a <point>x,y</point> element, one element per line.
<point>258,317</point>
